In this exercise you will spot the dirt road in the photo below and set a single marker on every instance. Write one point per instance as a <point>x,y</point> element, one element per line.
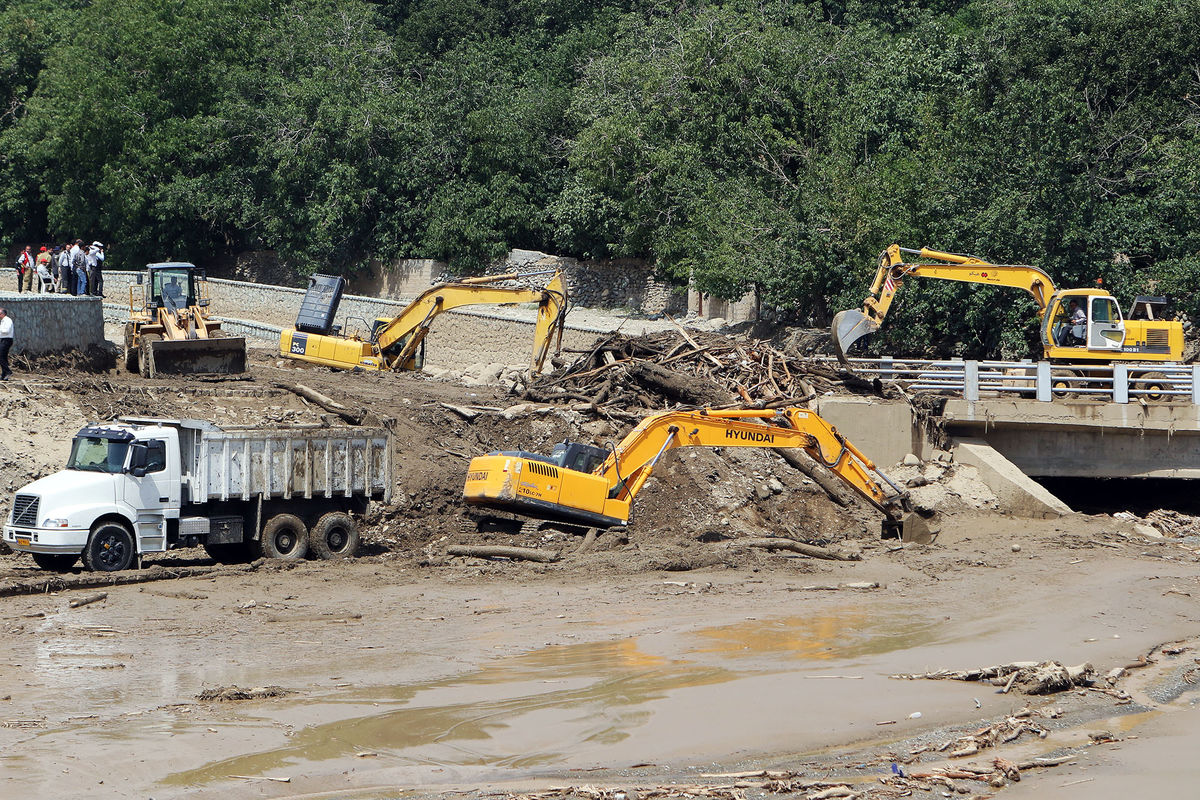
<point>665,654</point>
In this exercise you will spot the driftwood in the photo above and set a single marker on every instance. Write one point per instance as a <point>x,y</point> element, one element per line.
<point>833,487</point>
<point>324,401</point>
<point>791,545</point>
<point>502,551</point>
<point>1030,677</point>
<point>87,601</point>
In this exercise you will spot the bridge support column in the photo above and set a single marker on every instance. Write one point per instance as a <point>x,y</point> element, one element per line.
<point>1018,494</point>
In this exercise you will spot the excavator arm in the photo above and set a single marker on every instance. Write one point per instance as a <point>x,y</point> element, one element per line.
<point>399,339</point>
<point>850,326</point>
<point>551,488</point>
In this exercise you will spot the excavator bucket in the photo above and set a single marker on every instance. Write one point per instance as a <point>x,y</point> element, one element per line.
<point>217,356</point>
<point>848,328</point>
<point>911,527</point>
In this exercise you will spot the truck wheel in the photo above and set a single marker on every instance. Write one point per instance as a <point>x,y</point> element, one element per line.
<point>284,536</point>
<point>146,355</point>
<point>53,562</point>
<point>1154,385</point>
<point>109,549</point>
<point>334,536</point>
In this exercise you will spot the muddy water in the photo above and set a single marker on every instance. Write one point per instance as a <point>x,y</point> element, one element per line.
<point>760,683</point>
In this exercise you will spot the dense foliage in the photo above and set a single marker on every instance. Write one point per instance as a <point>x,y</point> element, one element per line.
<point>768,143</point>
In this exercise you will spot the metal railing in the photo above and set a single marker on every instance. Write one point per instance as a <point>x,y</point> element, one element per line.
<point>1040,380</point>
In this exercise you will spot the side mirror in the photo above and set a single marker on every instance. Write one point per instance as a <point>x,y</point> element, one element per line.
<point>137,460</point>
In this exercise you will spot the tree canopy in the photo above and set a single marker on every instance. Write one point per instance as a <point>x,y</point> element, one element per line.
<point>773,144</point>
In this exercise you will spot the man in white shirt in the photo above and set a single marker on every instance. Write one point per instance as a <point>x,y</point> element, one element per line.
<point>6,343</point>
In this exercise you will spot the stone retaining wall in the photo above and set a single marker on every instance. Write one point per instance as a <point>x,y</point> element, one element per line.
<point>52,323</point>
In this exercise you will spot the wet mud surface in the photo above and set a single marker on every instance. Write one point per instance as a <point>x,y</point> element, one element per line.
<point>662,655</point>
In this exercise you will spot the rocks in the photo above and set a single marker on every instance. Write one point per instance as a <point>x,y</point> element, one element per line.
<point>911,460</point>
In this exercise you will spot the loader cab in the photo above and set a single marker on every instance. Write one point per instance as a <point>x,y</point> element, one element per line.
<point>1102,329</point>
<point>175,285</point>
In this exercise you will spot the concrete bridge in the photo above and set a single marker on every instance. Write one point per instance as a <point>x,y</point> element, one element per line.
<point>1013,440</point>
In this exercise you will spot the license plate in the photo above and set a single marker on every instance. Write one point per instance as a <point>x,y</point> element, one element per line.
<point>23,542</point>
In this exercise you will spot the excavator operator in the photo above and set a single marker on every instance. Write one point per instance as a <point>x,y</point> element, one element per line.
<point>1071,330</point>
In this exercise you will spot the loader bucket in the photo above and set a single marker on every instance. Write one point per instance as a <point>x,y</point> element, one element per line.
<point>223,356</point>
<point>848,328</point>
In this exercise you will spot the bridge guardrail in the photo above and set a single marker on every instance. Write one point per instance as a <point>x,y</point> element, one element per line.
<point>1041,380</point>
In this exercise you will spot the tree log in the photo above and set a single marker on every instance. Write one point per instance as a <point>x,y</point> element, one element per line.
<point>832,485</point>
<point>502,551</point>
<point>810,550</point>
<point>324,401</point>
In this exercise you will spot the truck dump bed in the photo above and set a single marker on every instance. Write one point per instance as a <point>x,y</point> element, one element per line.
<point>283,463</point>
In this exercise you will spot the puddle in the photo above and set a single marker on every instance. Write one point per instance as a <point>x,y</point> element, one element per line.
<point>821,637</point>
<point>595,703</point>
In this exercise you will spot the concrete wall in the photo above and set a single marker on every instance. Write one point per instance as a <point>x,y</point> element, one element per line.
<point>706,306</point>
<point>883,431</point>
<point>52,323</point>
<point>621,283</point>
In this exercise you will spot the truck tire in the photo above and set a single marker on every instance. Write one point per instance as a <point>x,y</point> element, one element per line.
<point>335,536</point>
<point>109,548</point>
<point>284,536</point>
<point>146,355</point>
<point>53,562</point>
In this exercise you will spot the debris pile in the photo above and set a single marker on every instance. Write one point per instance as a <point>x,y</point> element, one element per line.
<point>692,369</point>
<point>1028,677</point>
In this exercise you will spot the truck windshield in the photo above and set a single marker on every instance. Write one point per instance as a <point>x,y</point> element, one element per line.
<point>97,454</point>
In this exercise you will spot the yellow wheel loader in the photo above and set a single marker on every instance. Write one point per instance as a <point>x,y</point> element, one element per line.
<point>1079,326</point>
<point>169,330</point>
<point>398,343</point>
<point>584,485</point>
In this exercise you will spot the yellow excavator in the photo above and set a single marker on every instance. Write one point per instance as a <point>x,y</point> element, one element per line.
<point>1079,326</point>
<point>584,485</point>
<point>398,343</point>
<point>169,330</point>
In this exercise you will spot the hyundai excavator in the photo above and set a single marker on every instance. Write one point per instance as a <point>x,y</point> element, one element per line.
<point>580,484</point>
<point>398,343</point>
<point>1097,334</point>
<point>169,330</point>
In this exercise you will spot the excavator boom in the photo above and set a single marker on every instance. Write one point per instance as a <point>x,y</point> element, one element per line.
<point>563,487</point>
<point>852,325</point>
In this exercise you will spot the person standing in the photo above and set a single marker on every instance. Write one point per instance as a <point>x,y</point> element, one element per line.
<point>79,269</point>
<point>65,275</point>
<point>43,269</point>
<point>24,268</point>
<point>6,343</point>
<point>95,259</point>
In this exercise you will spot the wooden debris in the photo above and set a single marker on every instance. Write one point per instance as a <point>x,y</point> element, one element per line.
<point>502,551</point>
<point>1030,677</point>
<point>80,602</point>
<point>791,545</point>
<point>324,401</point>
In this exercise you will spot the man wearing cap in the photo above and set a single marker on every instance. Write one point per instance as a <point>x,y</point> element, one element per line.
<point>95,265</point>
<point>6,343</point>
<point>43,269</point>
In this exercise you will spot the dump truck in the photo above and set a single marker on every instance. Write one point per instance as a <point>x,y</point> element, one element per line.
<point>398,343</point>
<point>135,486</point>
<point>170,331</point>
<point>588,486</point>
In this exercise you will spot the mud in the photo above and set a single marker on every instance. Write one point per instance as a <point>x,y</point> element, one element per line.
<point>662,653</point>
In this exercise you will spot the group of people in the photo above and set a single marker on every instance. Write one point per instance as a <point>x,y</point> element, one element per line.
<point>69,268</point>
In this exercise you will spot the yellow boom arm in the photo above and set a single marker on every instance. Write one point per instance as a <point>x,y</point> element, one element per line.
<point>850,326</point>
<point>584,485</point>
<point>627,469</point>
<point>400,338</point>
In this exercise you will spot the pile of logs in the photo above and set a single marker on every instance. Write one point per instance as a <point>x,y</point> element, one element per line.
<point>691,368</point>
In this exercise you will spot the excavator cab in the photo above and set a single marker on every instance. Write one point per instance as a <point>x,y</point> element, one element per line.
<point>577,456</point>
<point>1102,328</point>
